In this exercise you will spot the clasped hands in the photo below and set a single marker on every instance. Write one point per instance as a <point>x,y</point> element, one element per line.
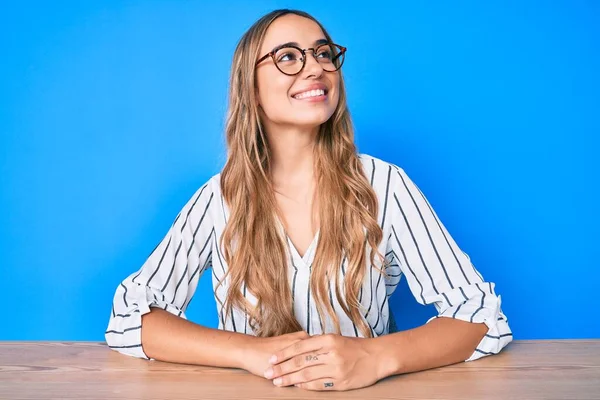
<point>325,362</point>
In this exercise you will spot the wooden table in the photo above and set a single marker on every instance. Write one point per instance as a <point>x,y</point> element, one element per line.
<point>85,370</point>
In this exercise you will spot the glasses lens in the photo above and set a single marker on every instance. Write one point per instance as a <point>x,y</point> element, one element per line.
<point>330,56</point>
<point>289,60</point>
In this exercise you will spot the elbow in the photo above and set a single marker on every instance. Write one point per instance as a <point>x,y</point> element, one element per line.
<point>472,336</point>
<point>466,336</point>
<point>482,328</point>
<point>478,331</point>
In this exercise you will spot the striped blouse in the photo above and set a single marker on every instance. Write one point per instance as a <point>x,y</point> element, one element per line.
<point>415,242</point>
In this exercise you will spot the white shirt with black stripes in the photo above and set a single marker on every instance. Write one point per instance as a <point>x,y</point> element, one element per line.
<point>415,242</point>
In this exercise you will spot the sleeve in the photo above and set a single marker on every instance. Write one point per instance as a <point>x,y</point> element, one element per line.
<point>438,271</point>
<point>168,278</point>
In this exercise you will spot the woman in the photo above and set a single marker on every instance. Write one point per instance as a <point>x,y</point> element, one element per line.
<point>306,240</point>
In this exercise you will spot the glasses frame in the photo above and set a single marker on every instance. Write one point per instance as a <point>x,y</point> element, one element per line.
<point>303,52</point>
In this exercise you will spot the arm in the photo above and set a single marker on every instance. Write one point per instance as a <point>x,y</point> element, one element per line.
<point>189,343</point>
<point>167,280</point>
<point>346,363</point>
<point>167,337</point>
<point>148,316</point>
<point>441,342</point>
<point>470,323</point>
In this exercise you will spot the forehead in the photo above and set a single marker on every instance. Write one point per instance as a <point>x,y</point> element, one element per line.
<point>291,28</point>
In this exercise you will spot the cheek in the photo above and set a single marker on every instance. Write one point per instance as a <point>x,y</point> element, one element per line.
<point>335,83</point>
<point>273,94</point>
<point>262,88</point>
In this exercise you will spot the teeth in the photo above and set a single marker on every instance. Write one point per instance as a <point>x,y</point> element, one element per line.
<point>310,93</point>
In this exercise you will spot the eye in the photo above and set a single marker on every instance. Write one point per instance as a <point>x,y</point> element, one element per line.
<point>325,53</point>
<point>288,55</point>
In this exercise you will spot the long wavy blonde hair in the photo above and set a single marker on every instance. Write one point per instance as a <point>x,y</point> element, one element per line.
<point>348,208</point>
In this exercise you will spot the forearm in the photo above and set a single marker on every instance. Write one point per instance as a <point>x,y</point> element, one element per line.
<point>166,337</point>
<point>442,341</point>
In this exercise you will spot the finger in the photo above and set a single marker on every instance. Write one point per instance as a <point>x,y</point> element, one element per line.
<point>312,344</point>
<point>299,334</point>
<point>305,375</point>
<point>321,385</point>
<point>295,364</point>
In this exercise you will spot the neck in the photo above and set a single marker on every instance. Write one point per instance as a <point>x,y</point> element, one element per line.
<point>292,155</point>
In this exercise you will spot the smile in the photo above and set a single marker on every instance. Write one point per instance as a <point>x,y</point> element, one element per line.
<point>310,93</point>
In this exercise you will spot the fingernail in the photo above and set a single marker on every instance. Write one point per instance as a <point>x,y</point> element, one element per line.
<point>273,359</point>
<point>269,373</point>
<point>277,381</point>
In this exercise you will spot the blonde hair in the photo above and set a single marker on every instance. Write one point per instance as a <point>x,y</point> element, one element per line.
<point>348,208</point>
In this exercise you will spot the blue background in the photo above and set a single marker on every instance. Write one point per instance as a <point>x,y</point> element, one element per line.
<point>112,115</point>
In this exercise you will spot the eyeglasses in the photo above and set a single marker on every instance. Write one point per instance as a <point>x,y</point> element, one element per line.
<point>290,59</point>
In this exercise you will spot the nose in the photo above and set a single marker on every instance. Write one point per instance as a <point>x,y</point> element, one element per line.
<point>312,66</point>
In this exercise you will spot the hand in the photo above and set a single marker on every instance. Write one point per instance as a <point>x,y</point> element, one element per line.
<point>325,362</point>
<point>259,350</point>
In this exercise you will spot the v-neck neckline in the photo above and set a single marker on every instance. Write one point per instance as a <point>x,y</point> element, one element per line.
<point>295,253</point>
<point>306,258</point>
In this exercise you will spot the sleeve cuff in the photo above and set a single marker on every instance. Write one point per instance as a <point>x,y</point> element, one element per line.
<point>124,333</point>
<point>499,333</point>
<point>152,300</point>
<point>149,298</point>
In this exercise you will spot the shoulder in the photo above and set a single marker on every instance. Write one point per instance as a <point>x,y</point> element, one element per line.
<point>214,182</point>
<point>205,194</point>
<point>209,187</point>
<point>378,169</point>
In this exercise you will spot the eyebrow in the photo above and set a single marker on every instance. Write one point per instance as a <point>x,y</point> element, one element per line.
<point>316,43</point>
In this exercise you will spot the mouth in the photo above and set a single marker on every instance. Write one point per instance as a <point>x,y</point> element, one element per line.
<point>311,95</point>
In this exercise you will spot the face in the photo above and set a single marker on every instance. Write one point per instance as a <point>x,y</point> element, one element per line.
<point>282,98</point>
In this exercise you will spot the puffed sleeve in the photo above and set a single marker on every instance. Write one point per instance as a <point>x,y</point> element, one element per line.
<point>438,271</point>
<point>169,276</point>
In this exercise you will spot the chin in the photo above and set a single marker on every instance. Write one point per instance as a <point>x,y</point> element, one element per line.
<point>314,120</point>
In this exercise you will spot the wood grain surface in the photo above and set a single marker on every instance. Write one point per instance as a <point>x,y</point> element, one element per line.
<point>560,369</point>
